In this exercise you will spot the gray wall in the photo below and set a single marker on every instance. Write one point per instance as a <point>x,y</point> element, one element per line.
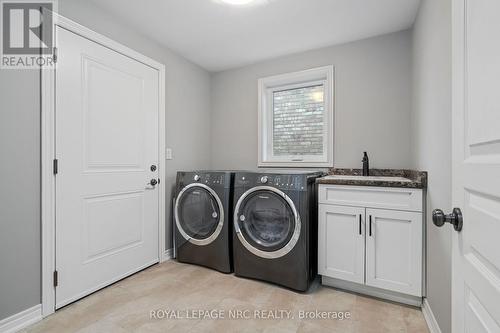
<point>19,191</point>
<point>188,127</point>
<point>431,141</point>
<point>373,103</point>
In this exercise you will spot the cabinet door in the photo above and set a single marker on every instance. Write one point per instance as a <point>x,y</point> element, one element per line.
<point>341,242</point>
<point>394,250</point>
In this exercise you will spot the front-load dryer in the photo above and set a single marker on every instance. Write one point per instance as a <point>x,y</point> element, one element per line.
<point>275,227</point>
<point>202,215</point>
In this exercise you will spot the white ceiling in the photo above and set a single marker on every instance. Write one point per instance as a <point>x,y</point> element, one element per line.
<point>217,36</point>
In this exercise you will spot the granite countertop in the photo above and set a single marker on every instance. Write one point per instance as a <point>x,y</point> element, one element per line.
<point>378,177</point>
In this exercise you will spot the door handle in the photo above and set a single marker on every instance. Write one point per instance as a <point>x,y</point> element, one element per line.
<point>455,218</point>
<point>153,182</point>
<point>370,227</point>
<point>360,224</point>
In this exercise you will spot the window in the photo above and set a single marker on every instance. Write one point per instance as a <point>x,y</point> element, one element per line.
<point>296,119</point>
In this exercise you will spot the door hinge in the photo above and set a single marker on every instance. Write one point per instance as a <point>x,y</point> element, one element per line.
<point>55,166</point>
<point>56,279</point>
<point>54,54</point>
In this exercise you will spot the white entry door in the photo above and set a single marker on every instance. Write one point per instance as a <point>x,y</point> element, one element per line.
<point>107,150</point>
<point>476,165</point>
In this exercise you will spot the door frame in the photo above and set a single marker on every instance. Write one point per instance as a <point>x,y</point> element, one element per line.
<point>48,203</point>
<point>459,72</point>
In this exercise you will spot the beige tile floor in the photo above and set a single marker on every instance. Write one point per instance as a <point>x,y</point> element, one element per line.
<point>126,306</point>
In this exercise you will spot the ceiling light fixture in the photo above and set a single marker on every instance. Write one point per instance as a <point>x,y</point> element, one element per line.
<point>237,2</point>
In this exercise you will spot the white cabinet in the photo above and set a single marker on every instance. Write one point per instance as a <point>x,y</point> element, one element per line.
<point>342,240</point>
<point>372,237</point>
<point>394,250</point>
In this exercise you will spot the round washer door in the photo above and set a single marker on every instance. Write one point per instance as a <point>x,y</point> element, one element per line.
<point>199,214</point>
<point>266,222</point>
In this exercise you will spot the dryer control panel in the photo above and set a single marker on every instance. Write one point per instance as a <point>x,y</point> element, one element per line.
<point>282,182</point>
<point>287,182</point>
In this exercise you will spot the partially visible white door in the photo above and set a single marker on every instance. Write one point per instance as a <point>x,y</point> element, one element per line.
<point>476,165</point>
<point>106,143</point>
<point>341,242</point>
<point>394,250</point>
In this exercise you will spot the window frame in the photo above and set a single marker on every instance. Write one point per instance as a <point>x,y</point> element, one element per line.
<point>266,88</point>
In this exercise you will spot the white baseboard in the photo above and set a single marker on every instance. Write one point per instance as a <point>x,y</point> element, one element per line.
<point>372,291</point>
<point>168,254</point>
<point>21,320</point>
<point>429,317</point>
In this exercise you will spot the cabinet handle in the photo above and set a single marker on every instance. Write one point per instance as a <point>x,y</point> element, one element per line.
<point>360,224</point>
<point>370,226</point>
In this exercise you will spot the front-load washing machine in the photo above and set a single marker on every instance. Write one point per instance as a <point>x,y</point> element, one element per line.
<point>202,214</point>
<point>275,227</point>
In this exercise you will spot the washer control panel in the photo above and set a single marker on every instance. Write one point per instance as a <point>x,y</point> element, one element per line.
<point>209,178</point>
<point>212,179</point>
